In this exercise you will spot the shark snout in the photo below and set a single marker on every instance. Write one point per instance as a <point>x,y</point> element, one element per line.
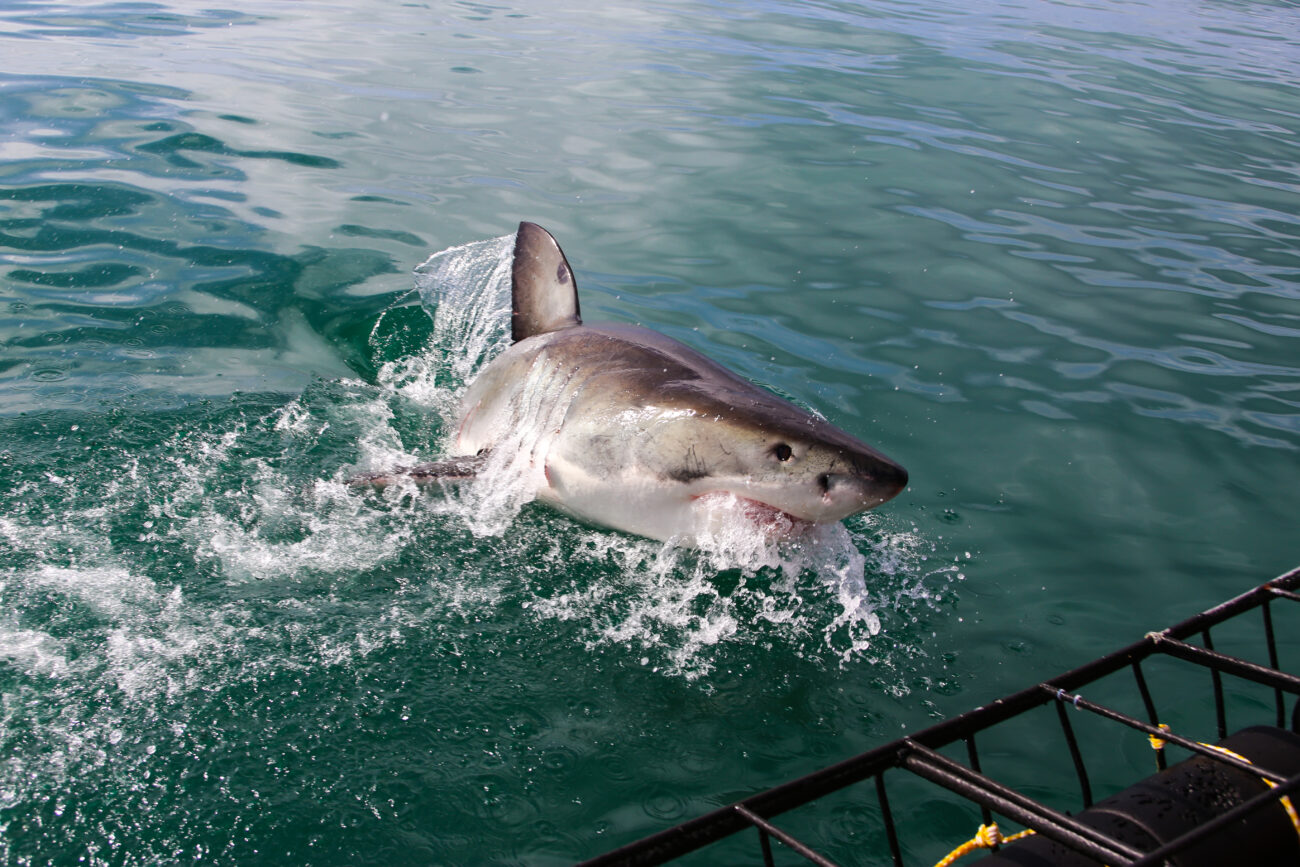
<point>889,479</point>
<point>868,486</point>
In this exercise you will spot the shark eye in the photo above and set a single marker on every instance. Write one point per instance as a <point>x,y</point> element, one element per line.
<point>783,452</point>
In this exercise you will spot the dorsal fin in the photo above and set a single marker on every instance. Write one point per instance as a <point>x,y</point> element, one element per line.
<point>544,293</point>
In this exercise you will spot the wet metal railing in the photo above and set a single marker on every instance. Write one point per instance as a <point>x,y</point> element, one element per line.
<point>918,754</point>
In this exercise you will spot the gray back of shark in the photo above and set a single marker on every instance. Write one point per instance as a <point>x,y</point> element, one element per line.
<point>627,428</point>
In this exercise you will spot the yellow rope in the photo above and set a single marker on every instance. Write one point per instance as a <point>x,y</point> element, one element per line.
<point>987,837</point>
<point>1159,744</point>
<point>1285,800</point>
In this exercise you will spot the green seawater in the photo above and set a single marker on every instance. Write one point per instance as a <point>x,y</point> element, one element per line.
<point>1045,253</point>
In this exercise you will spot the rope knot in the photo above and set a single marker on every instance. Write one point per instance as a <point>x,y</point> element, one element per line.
<point>1158,743</point>
<point>989,835</point>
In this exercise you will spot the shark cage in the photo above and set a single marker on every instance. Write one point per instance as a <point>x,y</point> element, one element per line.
<point>1224,797</point>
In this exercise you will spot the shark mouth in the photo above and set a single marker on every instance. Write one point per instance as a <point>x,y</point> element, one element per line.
<point>768,520</point>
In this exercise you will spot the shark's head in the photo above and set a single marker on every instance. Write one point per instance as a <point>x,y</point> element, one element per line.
<point>818,474</point>
<point>772,456</point>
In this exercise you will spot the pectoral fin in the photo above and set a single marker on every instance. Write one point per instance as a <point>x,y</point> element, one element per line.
<point>450,471</point>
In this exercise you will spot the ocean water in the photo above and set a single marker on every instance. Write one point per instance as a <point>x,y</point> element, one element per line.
<point>1045,253</point>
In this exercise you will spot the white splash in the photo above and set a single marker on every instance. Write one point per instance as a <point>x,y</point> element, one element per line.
<point>466,289</point>
<point>807,582</point>
<point>666,605</point>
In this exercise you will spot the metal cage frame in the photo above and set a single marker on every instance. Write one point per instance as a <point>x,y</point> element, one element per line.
<point>918,754</point>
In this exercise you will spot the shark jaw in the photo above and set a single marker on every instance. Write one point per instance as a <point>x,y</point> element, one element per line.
<point>769,521</point>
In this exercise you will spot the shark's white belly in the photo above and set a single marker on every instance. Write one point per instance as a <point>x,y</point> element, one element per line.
<point>621,500</point>
<point>576,450</point>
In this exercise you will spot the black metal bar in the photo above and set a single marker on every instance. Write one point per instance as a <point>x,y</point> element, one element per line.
<point>764,825</point>
<point>986,816</point>
<point>1284,594</point>
<point>1282,585</point>
<point>1234,606</point>
<point>725,821</point>
<point>1186,743</point>
<point>673,842</point>
<point>1150,705</point>
<point>765,843</point>
<point>1220,707</point>
<point>1215,661</point>
<point>956,777</point>
<point>890,831</point>
<point>1274,795</point>
<point>1267,609</point>
<point>1075,755</point>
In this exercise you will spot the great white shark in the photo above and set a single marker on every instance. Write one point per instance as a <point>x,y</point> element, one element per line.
<point>627,428</point>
